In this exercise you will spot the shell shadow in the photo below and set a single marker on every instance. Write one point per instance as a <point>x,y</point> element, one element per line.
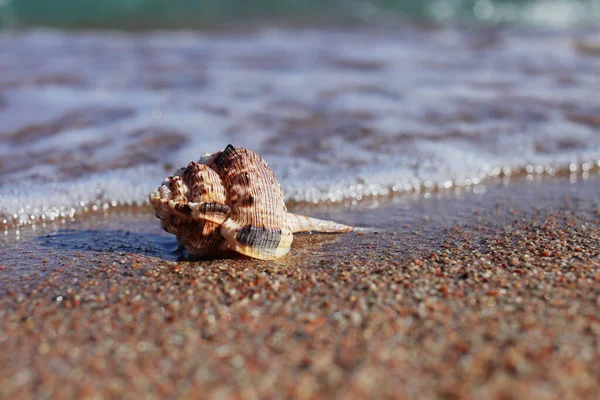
<point>305,245</point>
<point>160,245</point>
<point>311,246</point>
<point>112,241</point>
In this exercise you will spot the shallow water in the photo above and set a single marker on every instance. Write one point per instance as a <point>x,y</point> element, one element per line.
<point>417,224</point>
<point>89,121</point>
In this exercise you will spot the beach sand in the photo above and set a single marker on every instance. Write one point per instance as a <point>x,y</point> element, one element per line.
<point>487,293</point>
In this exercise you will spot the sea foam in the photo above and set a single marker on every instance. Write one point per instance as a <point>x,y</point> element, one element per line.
<point>93,120</point>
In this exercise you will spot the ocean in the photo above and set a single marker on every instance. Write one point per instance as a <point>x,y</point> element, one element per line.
<point>153,14</point>
<point>95,119</point>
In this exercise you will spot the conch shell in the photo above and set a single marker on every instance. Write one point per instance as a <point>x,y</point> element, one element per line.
<point>231,201</point>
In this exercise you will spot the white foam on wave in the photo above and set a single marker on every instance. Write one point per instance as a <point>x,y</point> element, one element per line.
<point>339,115</point>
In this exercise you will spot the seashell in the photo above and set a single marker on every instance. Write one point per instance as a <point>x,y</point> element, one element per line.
<point>240,199</point>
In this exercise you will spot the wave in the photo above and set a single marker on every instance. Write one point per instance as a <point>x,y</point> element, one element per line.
<point>90,121</point>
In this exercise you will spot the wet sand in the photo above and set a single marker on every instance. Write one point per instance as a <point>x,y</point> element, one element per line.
<point>493,293</point>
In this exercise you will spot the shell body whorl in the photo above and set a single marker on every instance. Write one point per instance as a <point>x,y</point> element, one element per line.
<point>257,223</point>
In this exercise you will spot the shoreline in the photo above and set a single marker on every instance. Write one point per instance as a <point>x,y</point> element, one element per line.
<point>64,217</point>
<point>459,295</point>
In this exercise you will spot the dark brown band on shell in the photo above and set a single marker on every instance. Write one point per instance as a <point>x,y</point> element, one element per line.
<point>213,208</point>
<point>262,238</point>
<point>185,209</point>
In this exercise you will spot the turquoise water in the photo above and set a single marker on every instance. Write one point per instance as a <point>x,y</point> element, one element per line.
<point>149,14</point>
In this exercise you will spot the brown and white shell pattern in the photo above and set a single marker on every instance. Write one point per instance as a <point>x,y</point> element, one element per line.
<point>195,184</point>
<point>231,202</point>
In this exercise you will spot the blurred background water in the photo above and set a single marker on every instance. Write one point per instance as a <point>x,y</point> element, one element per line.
<point>151,14</point>
<point>346,100</point>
